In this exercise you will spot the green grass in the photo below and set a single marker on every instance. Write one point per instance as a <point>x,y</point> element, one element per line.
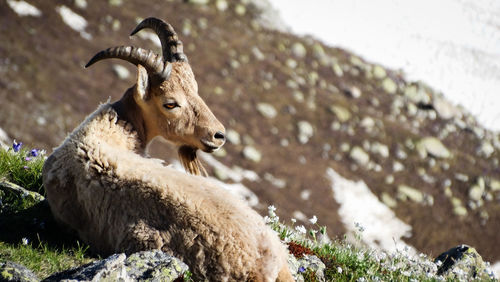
<point>43,259</point>
<point>23,168</point>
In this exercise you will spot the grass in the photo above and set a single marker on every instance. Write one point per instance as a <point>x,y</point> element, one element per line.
<point>23,167</point>
<point>43,259</point>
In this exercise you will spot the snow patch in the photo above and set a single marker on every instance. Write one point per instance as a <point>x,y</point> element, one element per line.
<point>358,205</point>
<point>235,174</point>
<point>74,21</point>
<point>237,189</point>
<point>148,35</point>
<point>496,268</point>
<point>453,45</point>
<point>23,8</point>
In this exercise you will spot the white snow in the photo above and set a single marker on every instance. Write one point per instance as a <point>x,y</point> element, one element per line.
<point>453,45</point>
<point>382,229</point>
<point>236,175</point>
<point>74,21</point>
<point>23,8</point>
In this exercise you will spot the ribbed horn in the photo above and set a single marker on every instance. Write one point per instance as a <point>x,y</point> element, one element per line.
<point>152,62</point>
<point>171,46</point>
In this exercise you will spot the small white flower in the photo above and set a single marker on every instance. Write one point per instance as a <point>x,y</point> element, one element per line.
<point>25,241</point>
<point>313,220</point>
<point>293,220</point>
<point>271,208</point>
<point>301,229</point>
<point>339,269</point>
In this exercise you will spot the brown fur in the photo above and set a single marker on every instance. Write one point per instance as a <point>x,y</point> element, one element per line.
<point>100,184</point>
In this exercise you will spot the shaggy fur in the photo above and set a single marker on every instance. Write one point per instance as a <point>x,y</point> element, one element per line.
<point>99,183</point>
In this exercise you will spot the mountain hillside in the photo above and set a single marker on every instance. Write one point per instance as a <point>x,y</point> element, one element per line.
<point>293,108</point>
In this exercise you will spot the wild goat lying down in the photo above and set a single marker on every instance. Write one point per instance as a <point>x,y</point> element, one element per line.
<point>100,184</point>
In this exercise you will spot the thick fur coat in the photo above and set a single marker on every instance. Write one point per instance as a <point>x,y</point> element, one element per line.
<point>99,184</point>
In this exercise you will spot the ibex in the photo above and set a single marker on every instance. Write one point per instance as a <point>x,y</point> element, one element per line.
<point>100,183</point>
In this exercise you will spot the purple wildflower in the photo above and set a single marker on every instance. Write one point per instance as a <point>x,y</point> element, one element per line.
<point>302,269</point>
<point>26,167</point>
<point>27,159</point>
<point>34,153</point>
<point>17,146</point>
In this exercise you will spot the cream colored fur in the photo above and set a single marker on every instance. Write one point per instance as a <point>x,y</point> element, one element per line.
<point>100,184</point>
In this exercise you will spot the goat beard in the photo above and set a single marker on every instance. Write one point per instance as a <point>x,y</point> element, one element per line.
<point>190,161</point>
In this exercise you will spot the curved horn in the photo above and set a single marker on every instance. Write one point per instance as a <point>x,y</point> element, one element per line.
<point>171,46</point>
<point>151,61</point>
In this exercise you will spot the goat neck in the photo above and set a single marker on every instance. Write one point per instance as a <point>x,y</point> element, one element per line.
<point>128,110</point>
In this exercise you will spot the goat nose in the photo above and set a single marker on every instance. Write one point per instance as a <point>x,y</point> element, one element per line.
<point>220,135</point>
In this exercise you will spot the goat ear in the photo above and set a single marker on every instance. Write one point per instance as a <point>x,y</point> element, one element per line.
<point>142,85</point>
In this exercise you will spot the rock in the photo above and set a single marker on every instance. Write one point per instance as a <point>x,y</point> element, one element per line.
<point>267,110</point>
<point>494,185</point>
<point>379,72</point>
<point>152,265</point>
<point>432,146</point>
<point>460,210</point>
<point>307,263</point>
<point>279,183</point>
<point>406,192</point>
<point>82,4</point>
<point>342,113</point>
<point>337,69</point>
<point>318,51</point>
<point>15,198</point>
<point>306,131</point>
<point>10,271</point>
<point>221,5</point>
<point>252,154</point>
<point>115,2</point>
<point>233,137</point>
<point>121,72</point>
<point>476,192</point>
<point>381,149</point>
<point>388,200</point>
<point>486,149</point>
<point>258,54</point>
<point>359,156</point>
<point>397,166</point>
<point>445,109</point>
<point>416,93</point>
<point>298,50</point>
<point>463,263</point>
<point>367,123</point>
<point>298,96</point>
<point>240,9</point>
<point>199,2</point>
<point>389,85</point>
<point>353,92</point>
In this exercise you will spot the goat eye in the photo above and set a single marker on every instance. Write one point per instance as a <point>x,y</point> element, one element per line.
<point>170,106</point>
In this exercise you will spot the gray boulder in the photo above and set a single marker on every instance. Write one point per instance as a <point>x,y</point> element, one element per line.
<point>10,271</point>
<point>307,263</point>
<point>462,263</point>
<point>152,265</point>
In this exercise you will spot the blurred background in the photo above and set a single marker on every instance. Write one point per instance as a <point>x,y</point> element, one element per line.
<point>372,113</point>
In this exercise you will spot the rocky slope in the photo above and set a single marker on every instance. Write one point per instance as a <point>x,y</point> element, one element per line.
<point>292,106</point>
